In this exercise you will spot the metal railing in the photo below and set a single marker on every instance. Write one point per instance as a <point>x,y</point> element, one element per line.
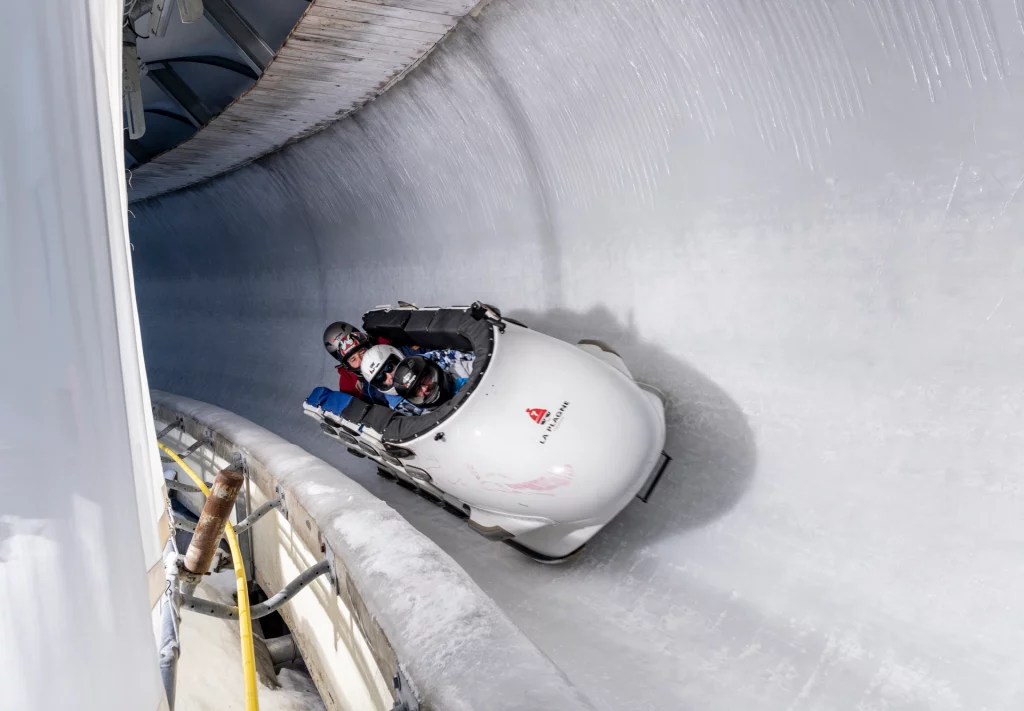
<point>323,515</point>
<point>182,579</point>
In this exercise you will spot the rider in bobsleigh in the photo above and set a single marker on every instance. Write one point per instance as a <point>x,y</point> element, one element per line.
<point>369,366</point>
<point>348,345</point>
<point>416,384</point>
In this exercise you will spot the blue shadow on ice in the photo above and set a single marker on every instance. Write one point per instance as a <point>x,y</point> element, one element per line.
<point>707,434</point>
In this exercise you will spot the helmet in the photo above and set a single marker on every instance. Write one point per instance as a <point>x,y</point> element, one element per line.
<point>343,339</point>
<point>422,382</point>
<point>378,363</point>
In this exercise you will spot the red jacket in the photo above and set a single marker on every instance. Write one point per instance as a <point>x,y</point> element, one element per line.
<point>349,382</point>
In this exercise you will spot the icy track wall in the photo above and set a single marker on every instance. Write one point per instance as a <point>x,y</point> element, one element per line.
<point>801,220</point>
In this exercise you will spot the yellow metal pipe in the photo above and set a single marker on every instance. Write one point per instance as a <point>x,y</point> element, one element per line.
<point>244,619</point>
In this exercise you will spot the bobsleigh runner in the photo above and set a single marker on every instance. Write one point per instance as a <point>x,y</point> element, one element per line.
<point>543,446</point>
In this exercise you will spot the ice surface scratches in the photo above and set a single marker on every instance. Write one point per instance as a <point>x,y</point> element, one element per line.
<point>454,643</point>
<point>760,205</point>
<point>940,37</point>
<point>785,62</point>
<point>788,66</point>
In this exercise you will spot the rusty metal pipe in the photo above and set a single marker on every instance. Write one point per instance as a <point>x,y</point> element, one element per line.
<point>219,505</point>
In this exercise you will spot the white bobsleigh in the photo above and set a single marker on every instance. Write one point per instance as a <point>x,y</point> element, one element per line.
<point>541,448</point>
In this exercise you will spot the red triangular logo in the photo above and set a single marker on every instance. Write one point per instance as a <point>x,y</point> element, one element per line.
<point>536,414</point>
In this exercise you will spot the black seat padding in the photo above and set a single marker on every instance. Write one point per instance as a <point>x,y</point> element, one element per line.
<point>480,335</point>
<point>418,327</point>
<point>458,327</point>
<point>388,324</point>
<point>360,412</point>
<point>438,329</point>
<point>446,330</point>
<point>355,411</point>
<point>378,417</point>
<point>431,330</point>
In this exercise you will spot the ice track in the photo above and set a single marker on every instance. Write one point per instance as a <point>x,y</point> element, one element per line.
<point>800,219</point>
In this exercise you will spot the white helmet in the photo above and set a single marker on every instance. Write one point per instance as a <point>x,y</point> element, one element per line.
<point>380,362</point>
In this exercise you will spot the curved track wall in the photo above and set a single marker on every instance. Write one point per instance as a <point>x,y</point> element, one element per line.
<point>800,219</point>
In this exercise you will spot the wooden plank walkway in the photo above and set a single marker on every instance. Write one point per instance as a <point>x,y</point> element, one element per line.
<point>340,55</point>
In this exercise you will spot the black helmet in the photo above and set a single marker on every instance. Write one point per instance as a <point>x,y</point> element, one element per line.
<point>422,382</point>
<point>343,339</point>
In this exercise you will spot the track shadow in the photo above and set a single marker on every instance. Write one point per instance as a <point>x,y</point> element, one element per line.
<point>708,435</point>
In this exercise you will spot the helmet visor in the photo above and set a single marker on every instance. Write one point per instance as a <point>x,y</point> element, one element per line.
<point>418,380</point>
<point>384,376</point>
<point>426,389</point>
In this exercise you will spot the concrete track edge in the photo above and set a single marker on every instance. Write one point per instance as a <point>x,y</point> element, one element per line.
<point>414,603</point>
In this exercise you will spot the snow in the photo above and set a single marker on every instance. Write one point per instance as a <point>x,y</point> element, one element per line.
<point>799,219</point>
<point>210,666</point>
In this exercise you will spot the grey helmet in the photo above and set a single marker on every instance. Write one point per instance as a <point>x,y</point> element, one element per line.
<point>342,339</point>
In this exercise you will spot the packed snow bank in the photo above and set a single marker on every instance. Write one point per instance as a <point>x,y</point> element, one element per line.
<point>458,650</point>
<point>210,667</point>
